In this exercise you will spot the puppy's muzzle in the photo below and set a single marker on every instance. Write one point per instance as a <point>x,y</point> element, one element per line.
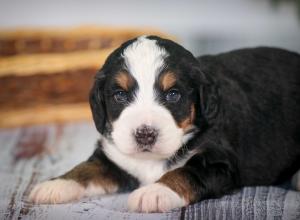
<point>146,136</point>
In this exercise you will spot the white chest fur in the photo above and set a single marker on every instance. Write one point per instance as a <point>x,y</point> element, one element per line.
<point>146,171</point>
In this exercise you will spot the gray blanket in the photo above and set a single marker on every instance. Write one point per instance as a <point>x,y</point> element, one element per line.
<point>64,146</point>
<point>250,203</point>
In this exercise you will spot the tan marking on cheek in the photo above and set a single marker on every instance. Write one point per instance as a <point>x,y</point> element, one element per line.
<point>187,123</point>
<point>193,110</point>
<point>167,80</point>
<point>179,183</point>
<point>124,80</point>
<point>88,173</point>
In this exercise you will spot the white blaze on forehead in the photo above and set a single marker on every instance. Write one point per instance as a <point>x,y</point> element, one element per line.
<point>144,60</point>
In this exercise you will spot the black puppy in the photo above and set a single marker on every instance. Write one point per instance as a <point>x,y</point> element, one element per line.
<point>178,130</point>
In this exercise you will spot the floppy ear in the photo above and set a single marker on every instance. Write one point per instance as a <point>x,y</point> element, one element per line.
<point>209,101</point>
<point>97,102</point>
<point>208,94</point>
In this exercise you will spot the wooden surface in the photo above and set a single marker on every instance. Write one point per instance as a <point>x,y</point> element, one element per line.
<point>33,154</point>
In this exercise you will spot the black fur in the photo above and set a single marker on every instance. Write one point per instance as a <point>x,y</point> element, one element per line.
<point>259,111</point>
<point>247,114</point>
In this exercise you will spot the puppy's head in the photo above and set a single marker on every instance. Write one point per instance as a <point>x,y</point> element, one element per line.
<point>146,99</point>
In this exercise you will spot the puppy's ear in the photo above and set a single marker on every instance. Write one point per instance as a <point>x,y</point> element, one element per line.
<point>208,94</point>
<point>209,101</point>
<point>97,102</point>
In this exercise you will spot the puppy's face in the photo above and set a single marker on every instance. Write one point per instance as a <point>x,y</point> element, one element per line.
<point>144,100</point>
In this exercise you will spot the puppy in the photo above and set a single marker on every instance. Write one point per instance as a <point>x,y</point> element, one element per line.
<point>177,130</point>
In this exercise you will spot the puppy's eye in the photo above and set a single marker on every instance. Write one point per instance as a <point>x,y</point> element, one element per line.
<point>173,96</point>
<point>121,96</point>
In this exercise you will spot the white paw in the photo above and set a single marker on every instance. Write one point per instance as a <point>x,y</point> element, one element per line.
<point>154,198</point>
<point>56,191</point>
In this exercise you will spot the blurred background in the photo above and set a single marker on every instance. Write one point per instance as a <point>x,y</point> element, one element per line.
<point>203,26</point>
<point>40,69</point>
<point>50,51</point>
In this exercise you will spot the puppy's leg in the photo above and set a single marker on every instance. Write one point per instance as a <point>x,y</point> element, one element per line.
<point>209,174</point>
<point>85,179</point>
<point>96,176</point>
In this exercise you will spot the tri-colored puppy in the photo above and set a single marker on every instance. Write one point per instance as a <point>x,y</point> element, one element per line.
<point>177,130</point>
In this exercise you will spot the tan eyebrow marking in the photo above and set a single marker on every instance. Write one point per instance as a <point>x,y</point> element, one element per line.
<point>124,80</point>
<point>167,80</point>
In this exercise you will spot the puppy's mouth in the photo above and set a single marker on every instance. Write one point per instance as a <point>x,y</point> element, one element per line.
<point>147,140</point>
<point>145,150</point>
<point>148,153</point>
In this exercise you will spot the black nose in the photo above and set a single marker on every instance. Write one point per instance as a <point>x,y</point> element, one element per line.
<point>146,135</point>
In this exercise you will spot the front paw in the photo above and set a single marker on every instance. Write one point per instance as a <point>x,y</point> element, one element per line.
<point>154,198</point>
<point>56,191</point>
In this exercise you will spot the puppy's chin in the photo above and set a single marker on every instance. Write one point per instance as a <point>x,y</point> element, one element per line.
<point>155,153</point>
<point>149,156</point>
